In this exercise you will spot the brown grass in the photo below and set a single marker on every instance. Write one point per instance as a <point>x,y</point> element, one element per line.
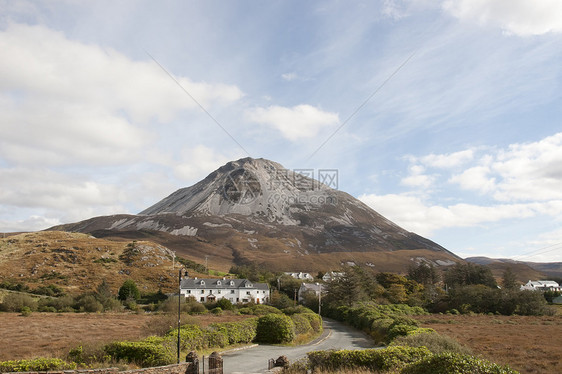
<point>527,344</point>
<point>53,335</point>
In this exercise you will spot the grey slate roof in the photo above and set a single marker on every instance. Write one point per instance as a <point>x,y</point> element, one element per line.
<point>212,283</point>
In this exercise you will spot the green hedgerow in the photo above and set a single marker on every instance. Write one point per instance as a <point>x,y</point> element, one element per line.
<point>446,363</point>
<point>143,353</point>
<point>38,364</point>
<point>274,329</point>
<point>373,359</point>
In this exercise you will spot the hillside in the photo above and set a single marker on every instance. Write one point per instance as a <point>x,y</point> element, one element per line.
<point>522,270</point>
<point>78,262</point>
<point>256,211</point>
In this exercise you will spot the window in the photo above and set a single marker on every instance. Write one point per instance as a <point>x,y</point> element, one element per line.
<point>232,283</point>
<point>247,292</point>
<point>202,299</point>
<point>219,291</point>
<point>188,291</point>
<point>202,291</point>
<point>202,283</point>
<point>231,291</point>
<point>218,283</point>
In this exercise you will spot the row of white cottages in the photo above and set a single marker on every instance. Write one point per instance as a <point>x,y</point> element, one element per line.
<point>235,290</point>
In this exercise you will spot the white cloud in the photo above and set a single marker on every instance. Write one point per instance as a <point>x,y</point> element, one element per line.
<point>289,76</point>
<point>198,162</point>
<point>33,223</point>
<point>414,214</point>
<point>520,17</point>
<point>63,101</point>
<point>521,172</point>
<point>447,161</point>
<point>299,122</point>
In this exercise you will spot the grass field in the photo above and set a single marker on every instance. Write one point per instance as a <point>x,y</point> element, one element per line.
<point>527,344</point>
<point>53,335</point>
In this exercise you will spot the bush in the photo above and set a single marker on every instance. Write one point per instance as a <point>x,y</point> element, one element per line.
<point>261,310</point>
<point>274,329</point>
<point>14,302</point>
<point>225,304</point>
<point>446,363</point>
<point>143,353</point>
<point>89,303</point>
<point>237,332</point>
<point>25,311</point>
<point>302,324</point>
<point>38,364</point>
<point>434,342</point>
<point>129,290</point>
<point>217,311</point>
<point>315,321</point>
<point>373,359</point>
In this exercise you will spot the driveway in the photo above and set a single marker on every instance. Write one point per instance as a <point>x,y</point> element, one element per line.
<point>335,336</point>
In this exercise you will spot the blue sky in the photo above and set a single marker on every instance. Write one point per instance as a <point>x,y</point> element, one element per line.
<point>444,116</point>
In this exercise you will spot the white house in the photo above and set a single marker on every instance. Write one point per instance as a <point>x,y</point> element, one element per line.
<point>301,275</point>
<point>543,285</point>
<point>310,287</point>
<point>331,275</point>
<point>235,290</point>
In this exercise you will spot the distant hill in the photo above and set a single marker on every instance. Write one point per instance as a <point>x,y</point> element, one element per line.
<point>256,211</point>
<point>524,270</point>
<point>78,262</point>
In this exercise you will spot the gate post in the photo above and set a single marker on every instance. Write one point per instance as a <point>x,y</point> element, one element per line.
<point>215,363</point>
<point>193,360</point>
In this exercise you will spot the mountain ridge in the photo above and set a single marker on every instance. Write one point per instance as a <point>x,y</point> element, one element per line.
<point>255,210</point>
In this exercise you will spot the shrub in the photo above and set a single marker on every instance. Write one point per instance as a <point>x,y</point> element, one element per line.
<point>237,332</point>
<point>446,363</point>
<point>143,353</point>
<point>275,328</point>
<point>14,302</point>
<point>25,311</point>
<point>217,311</point>
<point>38,364</point>
<point>129,290</point>
<point>315,321</point>
<point>261,310</point>
<point>89,303</point>
<point>373,359</point>
<point>434,342</point>
<point>225,304</point>
<point>302,324</point>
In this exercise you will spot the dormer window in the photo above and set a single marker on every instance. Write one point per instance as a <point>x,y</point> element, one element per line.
<point>232,283</point>
<point>218,283</point>
<point>202,283</point>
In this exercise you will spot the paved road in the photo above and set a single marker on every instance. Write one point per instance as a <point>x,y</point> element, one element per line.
<point>335,336</point>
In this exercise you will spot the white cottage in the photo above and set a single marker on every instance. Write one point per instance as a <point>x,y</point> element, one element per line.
<point>235,290</point>
<point>542,285</point>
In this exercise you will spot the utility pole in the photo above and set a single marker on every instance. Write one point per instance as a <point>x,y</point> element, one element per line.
<point>206,264</point>
<point>179,308</point>
<point>319,298</point>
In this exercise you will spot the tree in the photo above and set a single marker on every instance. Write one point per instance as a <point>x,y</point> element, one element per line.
<point>469,274</point>
<point>129,290</point>
<point>423,273</point>
<point>509,281</point>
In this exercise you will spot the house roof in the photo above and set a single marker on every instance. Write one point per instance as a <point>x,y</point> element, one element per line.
<point>213,283</point>
<point>311,287</point>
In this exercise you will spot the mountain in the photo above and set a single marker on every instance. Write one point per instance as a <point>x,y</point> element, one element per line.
<point>256,211</point>
<point>525,270</point>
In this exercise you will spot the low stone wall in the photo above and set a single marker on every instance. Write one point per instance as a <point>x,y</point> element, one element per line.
<point>180,368</point>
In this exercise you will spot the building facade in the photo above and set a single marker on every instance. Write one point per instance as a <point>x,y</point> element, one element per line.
<point>235,290</point>
<point>542,285</point>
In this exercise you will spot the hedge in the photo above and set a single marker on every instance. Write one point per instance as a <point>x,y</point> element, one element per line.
<point>145,353</point>
<point>372,359</point>
<point>274,329</point>
<point>38,364</point>
<point>447,363</point>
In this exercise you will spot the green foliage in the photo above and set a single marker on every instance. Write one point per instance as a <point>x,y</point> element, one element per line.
<point>423,274</point>
<point>434,342</point>
<point>144,353</point>
<point>509,280</point>
<point>469,274</point>
<point>88,303</point>
<point>280,300</point>
<point>274,329</point>
<point>129,290</point>
<point>217,311</point>
<point>14,286</point>
<point>25,311</point>
<point>372,359</point>
<point>193,337</point>
<point>225,304</point>
<point>550,295</point>
<point>50,290</point>
<point>192,265</point>
<point>302,324</point>
<point>15,302</point>
<point>447,363</point>
<point>38,364</point>
<point>482,299</point>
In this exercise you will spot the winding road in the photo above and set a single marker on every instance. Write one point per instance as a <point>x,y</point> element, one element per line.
<point>335,336</point>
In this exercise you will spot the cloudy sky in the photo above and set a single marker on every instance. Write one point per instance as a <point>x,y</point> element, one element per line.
<point>443,115</point>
